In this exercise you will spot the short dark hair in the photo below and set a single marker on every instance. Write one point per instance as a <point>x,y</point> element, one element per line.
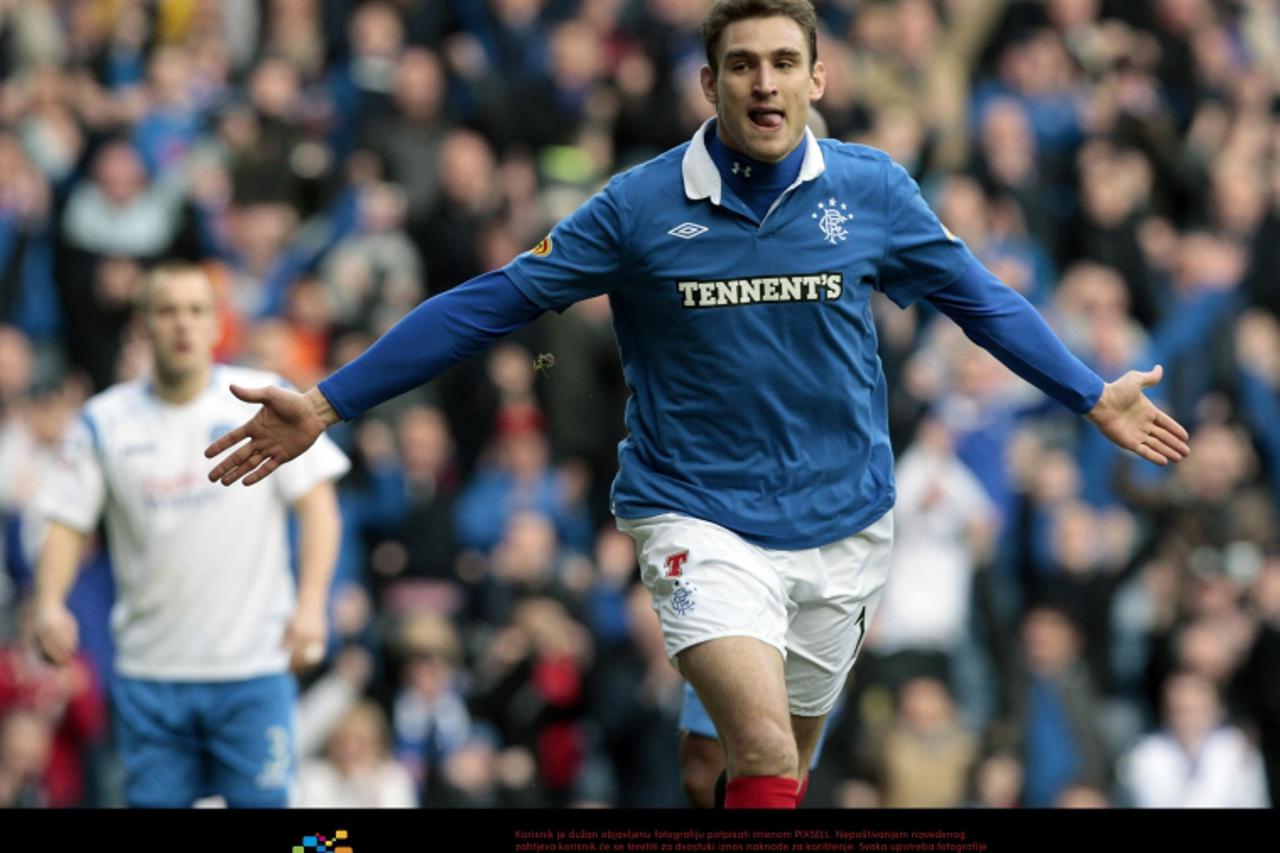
<point>165,270</point>
<point>725,12</point>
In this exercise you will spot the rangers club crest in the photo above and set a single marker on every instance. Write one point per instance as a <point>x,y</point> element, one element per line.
<point>682,597</point>
<point>831,217</point>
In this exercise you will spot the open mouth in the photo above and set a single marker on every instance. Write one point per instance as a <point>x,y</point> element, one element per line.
<point>766,118</point>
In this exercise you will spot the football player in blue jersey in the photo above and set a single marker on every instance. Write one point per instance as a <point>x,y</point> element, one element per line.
<point>756,477</point>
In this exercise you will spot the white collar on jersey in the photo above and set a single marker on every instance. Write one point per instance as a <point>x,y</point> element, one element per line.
<point>702,178</point>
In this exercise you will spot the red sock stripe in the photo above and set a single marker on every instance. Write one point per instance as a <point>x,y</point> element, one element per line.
<point>760,792</point>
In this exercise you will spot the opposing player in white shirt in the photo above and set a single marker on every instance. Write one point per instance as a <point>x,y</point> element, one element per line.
<point>208,619</point>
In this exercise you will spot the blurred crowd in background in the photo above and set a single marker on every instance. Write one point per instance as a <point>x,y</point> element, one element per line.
<point>1065,624</point>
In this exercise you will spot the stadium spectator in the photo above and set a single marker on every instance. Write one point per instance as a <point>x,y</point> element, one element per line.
<point>67,702</point>
<point>927,753</point>
<point>429,715</point>
<point>29,298</point>
<point>357,771</point>
<point>25,744</point>
<point>408,140</point>
<point>123,212</point>
<point>1055,710</point>
<point>423,547</point>
<point>948,527</point>
<point>1195,761</point>
<point>374,276</point>
<point>531,686</point>
<point>1259,677</point>
<point>997,782</point>
<point>520,479</point>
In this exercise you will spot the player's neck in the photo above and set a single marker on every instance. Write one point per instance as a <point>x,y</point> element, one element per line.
<point>756,183</point>
<point>177,390</point>
<point>739,168</point>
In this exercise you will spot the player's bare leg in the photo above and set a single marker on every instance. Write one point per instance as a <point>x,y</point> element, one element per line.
<point>808,731</point>
<point>701,763</point>
<point>740,682</point>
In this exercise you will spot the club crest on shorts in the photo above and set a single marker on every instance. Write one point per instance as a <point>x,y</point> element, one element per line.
<point>675,564</point>
<point>682,599</point>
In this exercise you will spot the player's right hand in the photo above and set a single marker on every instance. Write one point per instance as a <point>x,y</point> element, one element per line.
<point>286,425</point>
<point>57,635</point>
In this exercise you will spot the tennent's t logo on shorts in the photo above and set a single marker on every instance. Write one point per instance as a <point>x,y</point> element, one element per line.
<point>321,844</point>
<point>675,564</point>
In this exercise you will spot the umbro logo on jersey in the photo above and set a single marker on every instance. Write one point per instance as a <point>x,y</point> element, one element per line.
<point>688,230</point>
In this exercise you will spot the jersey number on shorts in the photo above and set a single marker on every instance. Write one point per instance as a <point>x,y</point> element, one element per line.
<point>675,564</point>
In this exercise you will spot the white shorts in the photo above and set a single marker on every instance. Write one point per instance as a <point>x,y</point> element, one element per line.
<point>813,605</point>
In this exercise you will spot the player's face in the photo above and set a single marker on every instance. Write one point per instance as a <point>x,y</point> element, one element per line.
<point>764,86</point>
<point>181,325</point>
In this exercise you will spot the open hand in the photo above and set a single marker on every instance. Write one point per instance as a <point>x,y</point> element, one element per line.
<point>1125,415</point>
<point>287,424</point>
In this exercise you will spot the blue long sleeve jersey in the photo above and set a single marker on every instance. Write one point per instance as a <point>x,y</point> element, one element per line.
<point>464,321</point>
<point>745,330</point>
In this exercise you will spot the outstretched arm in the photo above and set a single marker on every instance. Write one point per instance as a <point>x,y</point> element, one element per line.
<point>437,334</point>
<point>1001,321</point>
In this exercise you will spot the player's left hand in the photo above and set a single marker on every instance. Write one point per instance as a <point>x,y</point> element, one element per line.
<point>305,638</point>
<point>1125,415</point>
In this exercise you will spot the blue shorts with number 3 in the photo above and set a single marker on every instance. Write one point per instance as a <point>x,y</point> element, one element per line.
<point>181,741</point>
